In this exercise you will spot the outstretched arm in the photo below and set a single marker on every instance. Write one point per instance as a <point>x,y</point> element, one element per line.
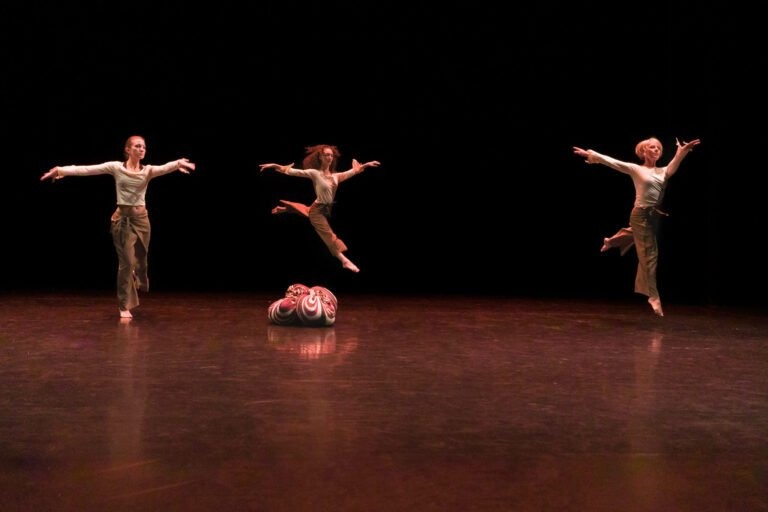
<point>279,168</point>
<point>61,171</point>
<point>356,169</point>
<point>181,165</point>
<point>593,157</point>
<point>682,150</point>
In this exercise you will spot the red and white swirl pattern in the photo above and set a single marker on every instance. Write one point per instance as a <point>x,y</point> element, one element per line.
<point>315,306</point>
<point>283,311</point>
<point>326,296</point>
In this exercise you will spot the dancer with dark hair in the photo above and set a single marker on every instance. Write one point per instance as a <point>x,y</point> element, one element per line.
<point>320,166</point>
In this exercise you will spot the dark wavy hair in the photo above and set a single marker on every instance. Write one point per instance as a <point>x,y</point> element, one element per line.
<point>312,160</point>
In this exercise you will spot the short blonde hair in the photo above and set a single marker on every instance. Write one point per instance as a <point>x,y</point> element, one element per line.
<point>640,148</point>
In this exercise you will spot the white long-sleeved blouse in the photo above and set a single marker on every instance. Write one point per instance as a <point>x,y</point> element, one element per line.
<point>130,187</point>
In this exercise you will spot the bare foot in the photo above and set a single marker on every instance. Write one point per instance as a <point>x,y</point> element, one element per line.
<point>350,266</point>
<point>656,305</point>
<point>606,245</point>
<point>124,313</point>
<point>279,209</point>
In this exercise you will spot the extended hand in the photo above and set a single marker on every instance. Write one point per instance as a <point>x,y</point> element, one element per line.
<point>186,166</point>
<point>687,146</point>
<point>358,167</point>
<point>53,174</point>
<point>580,152</point>
<point>281,168</point>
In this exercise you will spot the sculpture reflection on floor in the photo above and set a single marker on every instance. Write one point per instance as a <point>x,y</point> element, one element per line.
<point>308,344</point>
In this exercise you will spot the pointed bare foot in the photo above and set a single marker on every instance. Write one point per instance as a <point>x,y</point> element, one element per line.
<point>124,313</point>
<point>279,209</point>
<point>606,245</point>
<point>350,266</point>
<point>656,305</point>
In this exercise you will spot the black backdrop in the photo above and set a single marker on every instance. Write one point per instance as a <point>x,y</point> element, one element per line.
<point>472,109</point>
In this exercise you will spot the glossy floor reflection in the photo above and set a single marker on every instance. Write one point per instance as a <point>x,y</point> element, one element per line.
<point>405,404</point>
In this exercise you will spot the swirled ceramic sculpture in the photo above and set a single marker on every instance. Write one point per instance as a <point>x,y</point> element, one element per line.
<point>304,305</point>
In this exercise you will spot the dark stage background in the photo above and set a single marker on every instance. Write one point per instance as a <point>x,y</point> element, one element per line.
<point>472,109</point>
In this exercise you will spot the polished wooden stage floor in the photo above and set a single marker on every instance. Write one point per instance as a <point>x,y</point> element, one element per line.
<point>407,403</point>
